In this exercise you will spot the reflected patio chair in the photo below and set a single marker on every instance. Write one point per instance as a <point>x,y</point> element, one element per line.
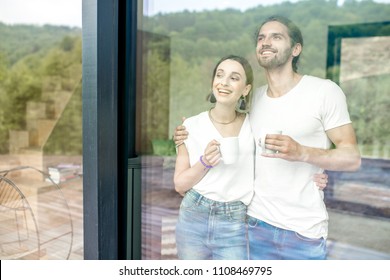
<point>19,233</point>
<point>46,229</point>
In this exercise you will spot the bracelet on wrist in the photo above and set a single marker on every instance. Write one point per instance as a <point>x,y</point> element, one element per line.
<point>204,164</point>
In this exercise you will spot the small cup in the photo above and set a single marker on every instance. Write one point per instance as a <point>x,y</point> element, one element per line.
<point>229,149</point>
<point>262,140</point>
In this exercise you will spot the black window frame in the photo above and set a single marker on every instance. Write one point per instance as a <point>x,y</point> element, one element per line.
<point>111,229</point>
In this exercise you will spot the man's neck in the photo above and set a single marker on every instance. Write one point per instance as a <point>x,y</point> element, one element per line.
<point>281,81</point>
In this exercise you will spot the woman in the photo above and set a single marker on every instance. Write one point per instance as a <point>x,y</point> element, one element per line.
<point>211,222</point>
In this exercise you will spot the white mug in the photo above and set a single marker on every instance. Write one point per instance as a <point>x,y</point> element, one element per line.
<point>262,140</point>
<point>229,149</point>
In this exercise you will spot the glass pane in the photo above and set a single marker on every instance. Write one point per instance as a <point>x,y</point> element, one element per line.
<point>179,44</point>
<point>367,91</point>
<point>367,191</point>
<point>40,130</point>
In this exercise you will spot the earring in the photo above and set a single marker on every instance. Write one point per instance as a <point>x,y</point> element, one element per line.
<point>242,103</point>
<point>212,98</point>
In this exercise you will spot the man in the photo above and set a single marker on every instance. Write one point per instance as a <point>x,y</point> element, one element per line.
<point>287,218</point>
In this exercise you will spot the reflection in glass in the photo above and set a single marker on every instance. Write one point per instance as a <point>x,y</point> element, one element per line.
<point>40,136</point>
<point>365,76</point>
<point>358,58</point>
<point>198,39</point>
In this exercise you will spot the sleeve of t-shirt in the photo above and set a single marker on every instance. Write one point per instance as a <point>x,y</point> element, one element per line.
<point>335,109</point>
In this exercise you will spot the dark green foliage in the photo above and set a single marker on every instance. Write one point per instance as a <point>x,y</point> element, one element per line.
<point>20,40</point>
<point>197,40</point>
<point>31,58</point>
<point>66,138</point>
<point>369,103</point>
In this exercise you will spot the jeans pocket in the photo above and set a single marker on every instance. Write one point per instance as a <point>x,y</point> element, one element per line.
<point>188,203</point>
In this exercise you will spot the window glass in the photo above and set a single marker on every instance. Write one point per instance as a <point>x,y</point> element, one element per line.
<point>369,98</point>
<point>179,44</point>
<point>364,79</point>
<point>40,130</point>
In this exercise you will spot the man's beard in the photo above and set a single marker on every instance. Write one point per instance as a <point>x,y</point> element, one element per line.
<point>276,61</point>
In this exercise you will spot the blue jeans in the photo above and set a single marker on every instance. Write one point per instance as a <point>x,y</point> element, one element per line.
<point>267,242</point>
<point>207,229</point>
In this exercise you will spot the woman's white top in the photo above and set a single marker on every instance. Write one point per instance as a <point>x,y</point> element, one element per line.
<point>223,182</point>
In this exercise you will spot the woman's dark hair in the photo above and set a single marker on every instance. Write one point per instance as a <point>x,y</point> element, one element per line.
<point>293,31</point>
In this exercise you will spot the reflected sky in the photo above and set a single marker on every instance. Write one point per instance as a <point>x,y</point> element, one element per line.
<point>68,12</point>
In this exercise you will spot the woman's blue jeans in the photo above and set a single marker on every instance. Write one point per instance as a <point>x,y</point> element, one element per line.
<point>267,242</point>
<point>207,229</point>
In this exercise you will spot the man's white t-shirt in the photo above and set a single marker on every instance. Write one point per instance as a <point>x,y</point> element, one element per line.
<point>223,182</point>
<point>285,194</point>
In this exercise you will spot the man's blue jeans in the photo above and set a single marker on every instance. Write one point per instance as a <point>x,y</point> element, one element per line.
<point>267,242</point>
<point>207,229</point>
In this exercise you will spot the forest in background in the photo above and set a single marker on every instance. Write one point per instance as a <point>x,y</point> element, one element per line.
<point>197,40</point>
<point>194,41</point>
<point>36,61</point>
<point>196,36</point>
